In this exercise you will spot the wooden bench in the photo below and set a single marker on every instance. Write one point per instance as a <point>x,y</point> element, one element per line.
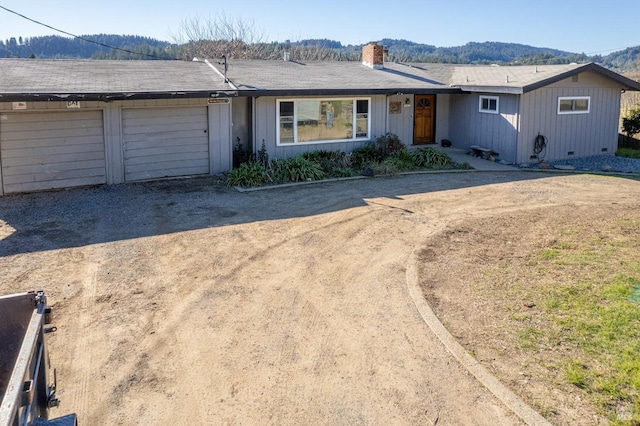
<point>479,151</point>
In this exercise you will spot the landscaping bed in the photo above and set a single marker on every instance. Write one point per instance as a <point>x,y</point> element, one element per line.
<point>385,156</point>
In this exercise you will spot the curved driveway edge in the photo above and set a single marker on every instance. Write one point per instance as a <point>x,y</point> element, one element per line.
<point>508,398</point>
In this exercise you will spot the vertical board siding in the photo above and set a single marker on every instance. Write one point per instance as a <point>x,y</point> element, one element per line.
<point>49,150</point>
<point>165,142</point>
<point>582,134</point>
<point>497,132</point>
<point>442,118</point>
<point>402,124</point>
<point>265,129</point>
<point>220,151</point>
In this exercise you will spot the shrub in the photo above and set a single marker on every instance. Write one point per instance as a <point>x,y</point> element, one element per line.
<point>338,172</point>
<point>295,169</point>
<point>263,155</point>
<point>400,161</point>
<point>328,160</point>
<point>631,123</point>
<point>364,156</point>
<point>628,152</point>
<point>248,174</point>
<point>430,157</point>
<point>388,145</point>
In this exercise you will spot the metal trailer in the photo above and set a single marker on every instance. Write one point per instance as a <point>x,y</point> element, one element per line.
<point>26,389</point>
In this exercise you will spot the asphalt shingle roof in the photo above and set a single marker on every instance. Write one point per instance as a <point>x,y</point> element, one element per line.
<point>93,76</point>
<point>127,79</point>
<point>295,76</point>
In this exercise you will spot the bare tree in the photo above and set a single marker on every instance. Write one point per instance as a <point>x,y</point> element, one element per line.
<point>216,36</point>
<point>238,38</point>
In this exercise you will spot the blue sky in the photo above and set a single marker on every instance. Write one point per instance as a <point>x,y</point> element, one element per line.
<point>575,26</point>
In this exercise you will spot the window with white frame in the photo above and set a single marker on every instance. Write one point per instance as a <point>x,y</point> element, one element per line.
<point>323,120</point>
<point>574,105</point>
<point>489,104</point>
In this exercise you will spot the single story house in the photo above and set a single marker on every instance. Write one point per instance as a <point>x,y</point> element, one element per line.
<point>67,123</point>
<point>294,107</point>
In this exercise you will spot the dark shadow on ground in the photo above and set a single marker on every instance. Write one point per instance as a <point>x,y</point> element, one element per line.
<point>79,217</point>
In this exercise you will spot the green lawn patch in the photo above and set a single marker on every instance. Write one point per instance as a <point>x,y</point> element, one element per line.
<point>592,315</point>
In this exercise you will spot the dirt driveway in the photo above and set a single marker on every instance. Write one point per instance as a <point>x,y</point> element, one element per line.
<point>184,302</point>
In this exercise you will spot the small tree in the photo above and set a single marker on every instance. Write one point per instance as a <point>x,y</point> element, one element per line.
<point>631,123</point>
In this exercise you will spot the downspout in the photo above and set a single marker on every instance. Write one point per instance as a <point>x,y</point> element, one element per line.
<point>518,125</point>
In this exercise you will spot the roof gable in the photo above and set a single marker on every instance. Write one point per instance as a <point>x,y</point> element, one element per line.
<point>523,79</point>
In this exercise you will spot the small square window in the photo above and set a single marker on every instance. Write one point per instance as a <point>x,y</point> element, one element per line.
<point>489,104</point>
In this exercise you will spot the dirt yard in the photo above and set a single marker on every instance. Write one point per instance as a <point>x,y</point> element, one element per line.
<point>185,302</point>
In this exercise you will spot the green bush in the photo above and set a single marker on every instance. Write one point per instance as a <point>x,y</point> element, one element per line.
<point>631,123</point>
<point>388,145</point>
<point>430,157</point>
<point>364,156</point>
<point>628,152</point>
<point>400,161</point>
<point>338,172</point>
<point>295,169</point>
<point>328,160</point>
<point>248,174</point>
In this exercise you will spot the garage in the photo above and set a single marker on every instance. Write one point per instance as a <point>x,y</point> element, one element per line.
<point>165,142</point>
<point>46,150</point>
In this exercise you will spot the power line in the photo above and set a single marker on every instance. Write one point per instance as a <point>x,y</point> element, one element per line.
<point>82,38</point>
<point>606,51</point>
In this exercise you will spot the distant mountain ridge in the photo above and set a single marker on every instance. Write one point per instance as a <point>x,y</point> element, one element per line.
<point>45,47</point>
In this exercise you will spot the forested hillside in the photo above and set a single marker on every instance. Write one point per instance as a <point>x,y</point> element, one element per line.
<point>313,49</point>
<point>46,47</point>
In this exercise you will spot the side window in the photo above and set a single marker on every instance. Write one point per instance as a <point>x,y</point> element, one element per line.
<point>489,104</point>
<point>574,105</point>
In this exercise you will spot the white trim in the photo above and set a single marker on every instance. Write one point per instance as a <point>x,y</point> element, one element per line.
<point>323,99</point>
<point>574,98</point>
<point>489,98</point>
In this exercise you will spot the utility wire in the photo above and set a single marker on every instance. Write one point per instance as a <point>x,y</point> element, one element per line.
<point>82,38</point>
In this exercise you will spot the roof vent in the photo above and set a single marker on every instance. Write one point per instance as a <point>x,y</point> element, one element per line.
<point>286,56</point>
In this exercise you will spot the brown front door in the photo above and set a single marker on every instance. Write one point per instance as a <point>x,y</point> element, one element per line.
<point>423,128</point>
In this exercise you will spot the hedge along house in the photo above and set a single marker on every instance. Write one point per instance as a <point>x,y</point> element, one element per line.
<point>295,107</point>
<point>66,123</point>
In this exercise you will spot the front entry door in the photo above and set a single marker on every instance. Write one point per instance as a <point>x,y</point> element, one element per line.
<point>423,121</point>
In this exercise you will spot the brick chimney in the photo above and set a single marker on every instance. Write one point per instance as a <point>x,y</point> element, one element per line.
<point>373,55</point>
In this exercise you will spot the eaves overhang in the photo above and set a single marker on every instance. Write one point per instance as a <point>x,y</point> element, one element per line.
<point>625,82</point>
<point>345,92</point>
<point>111,96</point>
<point>492,89</point>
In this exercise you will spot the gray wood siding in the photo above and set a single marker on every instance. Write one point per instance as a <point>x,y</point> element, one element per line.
<point>165,142</point>
<point>51,150</point>
<point>582,134</point>
<point>220,149</point>
<point>402,124</point>
<point>265,125</point>
<point>241,122</point>
<point>498,132</point>
<point>443,109</point>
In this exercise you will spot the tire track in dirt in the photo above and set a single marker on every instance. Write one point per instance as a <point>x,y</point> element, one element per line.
<point>83,353</point>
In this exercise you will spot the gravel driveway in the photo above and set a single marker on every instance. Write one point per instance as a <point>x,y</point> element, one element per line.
<point>184,302</point>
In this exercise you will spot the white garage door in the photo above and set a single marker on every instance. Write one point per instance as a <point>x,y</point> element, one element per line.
<point>47,150</point>
<point>165,142</point>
